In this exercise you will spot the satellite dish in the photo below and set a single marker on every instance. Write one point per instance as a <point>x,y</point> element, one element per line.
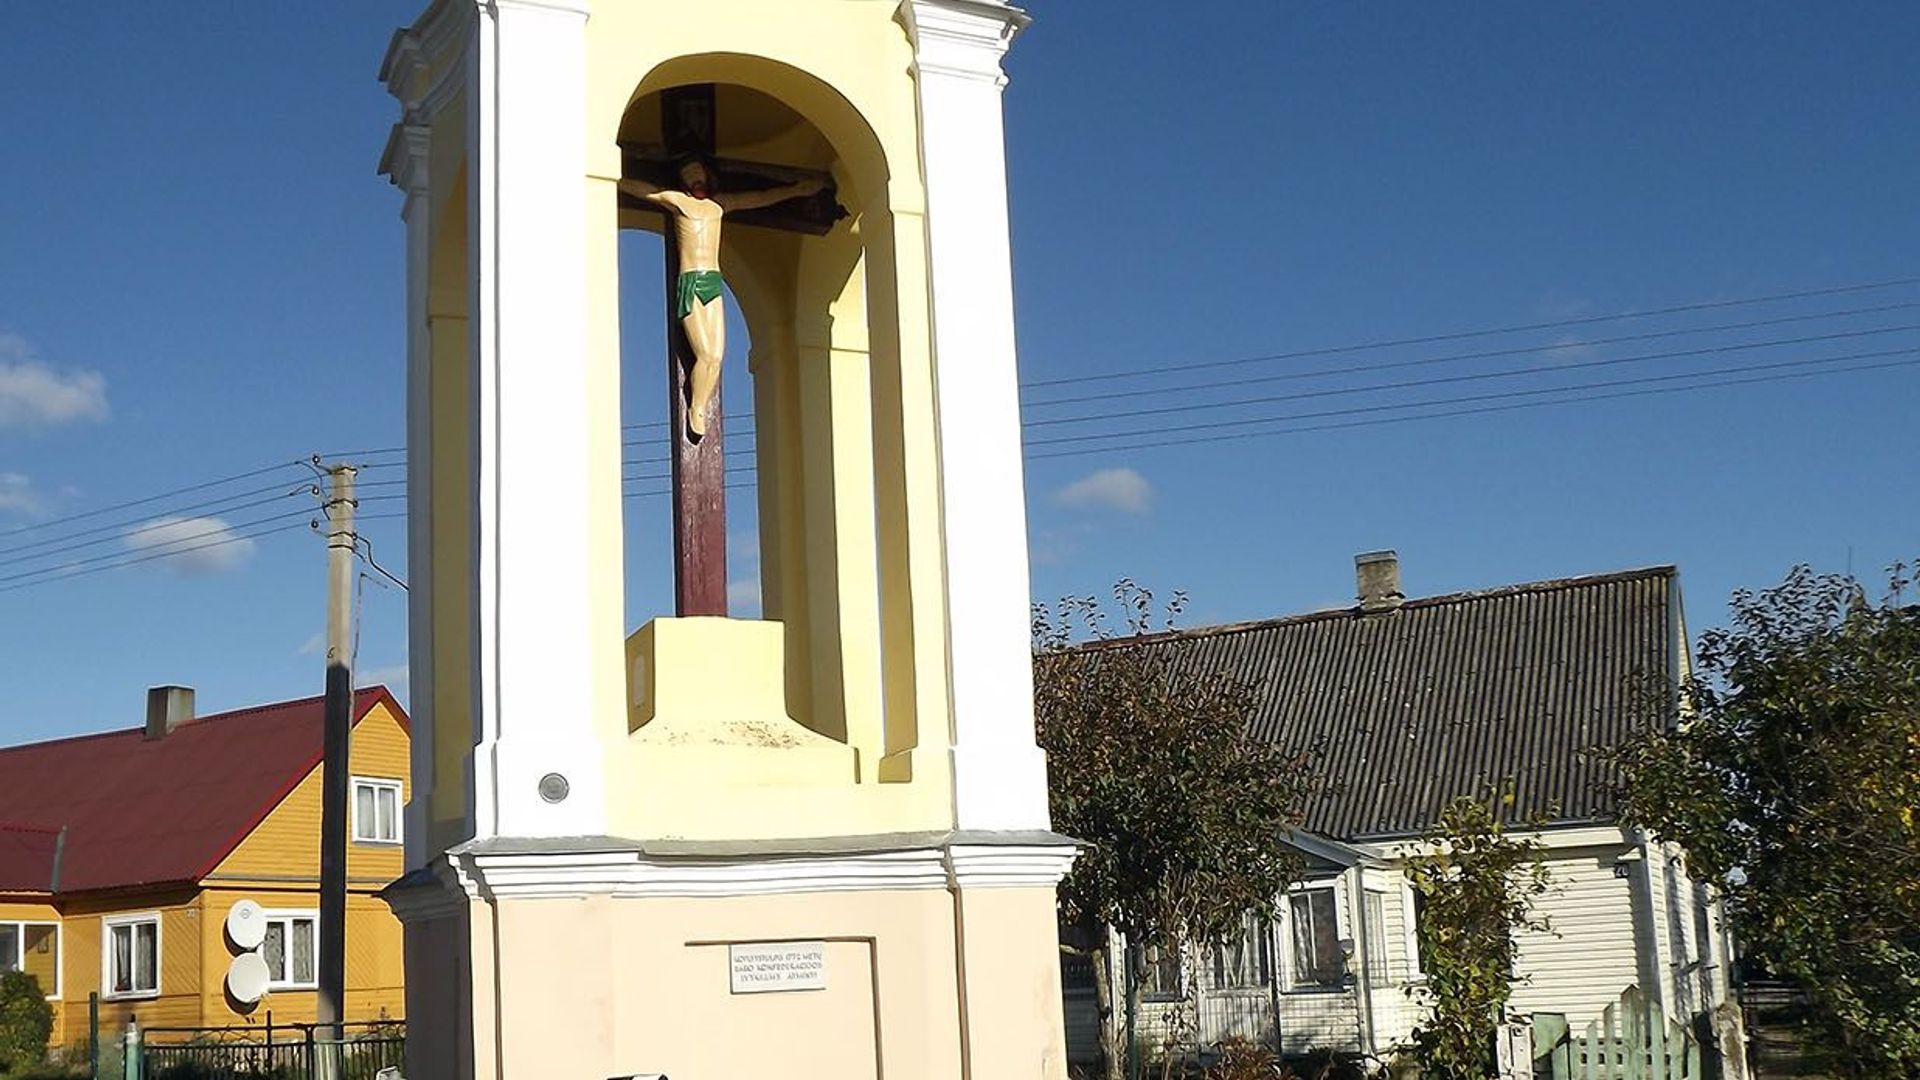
<point>247,978</point>
<point>247,925</point>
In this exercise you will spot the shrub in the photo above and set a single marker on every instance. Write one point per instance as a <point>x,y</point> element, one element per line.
<point>26,1022</point>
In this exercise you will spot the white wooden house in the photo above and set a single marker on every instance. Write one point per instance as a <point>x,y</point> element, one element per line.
<point>1411,704</point>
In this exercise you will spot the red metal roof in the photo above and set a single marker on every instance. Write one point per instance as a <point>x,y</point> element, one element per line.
<point>141,811</point>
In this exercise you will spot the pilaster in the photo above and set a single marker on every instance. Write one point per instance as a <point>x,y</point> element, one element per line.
<point>537,758</point>
<point>999,774</point>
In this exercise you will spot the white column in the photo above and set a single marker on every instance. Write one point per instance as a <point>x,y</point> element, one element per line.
<point>411,143</point>
<point>999,774</point>
<point>537,768</point>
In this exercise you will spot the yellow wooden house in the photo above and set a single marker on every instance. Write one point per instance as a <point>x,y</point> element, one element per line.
<point>121,855</point>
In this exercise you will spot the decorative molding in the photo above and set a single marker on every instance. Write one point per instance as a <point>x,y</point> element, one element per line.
<point>962,38</point>
<point>461,876</point>
<point>632,873</point>
<point>1009,866</point>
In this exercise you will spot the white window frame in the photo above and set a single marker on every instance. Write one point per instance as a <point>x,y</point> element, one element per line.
<point>108,923</point>
<point>1410,929</point>
<point>1374,901</point>
<point>1297,981</point>
<point>289,916</point>
<point>378,783</point>
<point>59,950</point>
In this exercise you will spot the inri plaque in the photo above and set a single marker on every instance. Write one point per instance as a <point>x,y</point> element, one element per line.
<point>767,967</point>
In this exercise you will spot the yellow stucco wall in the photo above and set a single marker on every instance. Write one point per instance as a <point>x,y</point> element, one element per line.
<point>842,362</point>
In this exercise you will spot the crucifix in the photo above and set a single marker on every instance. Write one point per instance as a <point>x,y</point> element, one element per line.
<point>697,192</point>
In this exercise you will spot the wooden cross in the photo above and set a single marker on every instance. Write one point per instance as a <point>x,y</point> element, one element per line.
<point>688,121</point>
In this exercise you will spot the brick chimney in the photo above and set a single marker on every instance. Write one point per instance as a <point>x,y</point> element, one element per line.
<point>1377,578</point>
<point>167,708</point>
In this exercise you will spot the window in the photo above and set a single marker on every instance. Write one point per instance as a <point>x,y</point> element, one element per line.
<point>1317,958</point>
<point>288,949</point>
<point>376,811</point>
<point>1416,908</point>
<point>1243,960</point>
<point>1159,968</point>
<point>132,960</point>
<point>35,949</point>
<point>1378,968</point>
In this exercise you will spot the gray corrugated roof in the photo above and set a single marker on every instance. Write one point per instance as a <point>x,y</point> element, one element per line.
<point>1414,707</point>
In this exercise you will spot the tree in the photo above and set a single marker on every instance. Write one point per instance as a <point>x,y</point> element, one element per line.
<point>1181,811</point>
<point>1789,770</point>
<point>26,1022</point>
<point>1476,884</point>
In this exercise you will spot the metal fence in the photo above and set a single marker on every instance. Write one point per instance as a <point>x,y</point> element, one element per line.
<point>255,1054</point>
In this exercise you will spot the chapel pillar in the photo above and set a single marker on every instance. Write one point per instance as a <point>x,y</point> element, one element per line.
<point>999,774</point>
<point>536,762</point>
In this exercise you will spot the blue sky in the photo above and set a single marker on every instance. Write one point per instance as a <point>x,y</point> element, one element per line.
<point>200,274</point>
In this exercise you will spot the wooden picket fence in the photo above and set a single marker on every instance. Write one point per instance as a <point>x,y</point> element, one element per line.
<point>1632,1040</point>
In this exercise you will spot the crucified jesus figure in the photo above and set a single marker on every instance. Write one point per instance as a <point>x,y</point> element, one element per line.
<point>696,212</point>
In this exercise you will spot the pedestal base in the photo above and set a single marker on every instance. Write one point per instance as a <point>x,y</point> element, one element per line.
<point>930,957</point>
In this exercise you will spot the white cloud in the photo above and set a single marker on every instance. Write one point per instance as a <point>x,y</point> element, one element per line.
<point>198,545</point>
<point>1567,349</point>
<point>33,395</point>
<point>314,645</point>
<point>395,677</point>
<point>17,495</point>
<point>1108,489</point>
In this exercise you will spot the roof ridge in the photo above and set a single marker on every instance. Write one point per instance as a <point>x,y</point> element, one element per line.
<point>23,827</point>
<point>1440,600</point>
<point>359,693</point>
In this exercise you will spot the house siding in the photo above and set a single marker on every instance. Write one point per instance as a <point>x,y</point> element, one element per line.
<point>286,844</point>
<point>276,866</point>
<point>1590,953</point>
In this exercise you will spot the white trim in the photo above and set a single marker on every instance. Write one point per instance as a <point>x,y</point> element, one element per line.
<point>378,783</point>
<point>288,916</point>
<point>1293,983</point>
<point>1008,866</point>
<point>108,923</point>
<point>59,950</point>
<point>461,878</point>
<point>1411,932</point>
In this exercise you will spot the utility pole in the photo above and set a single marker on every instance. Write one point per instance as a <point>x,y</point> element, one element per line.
<point>334,774</point>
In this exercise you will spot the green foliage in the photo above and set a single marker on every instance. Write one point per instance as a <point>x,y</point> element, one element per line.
<point>1181,811</point>
<point>26,1022</point>
<point>1477,884</point>
<point>1790,772</point>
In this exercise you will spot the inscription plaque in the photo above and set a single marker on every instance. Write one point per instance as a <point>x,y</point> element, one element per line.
<point>768,967</point>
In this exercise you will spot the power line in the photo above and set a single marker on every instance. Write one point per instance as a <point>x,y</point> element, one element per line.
<point>1578,399</point>
<point>64,572</point>
<point>1430,339</point>
<point>1440,380</point>
<point>141,518</point>
<point>1524,350</point>
<point>152,525</point>
<point>189,489</point>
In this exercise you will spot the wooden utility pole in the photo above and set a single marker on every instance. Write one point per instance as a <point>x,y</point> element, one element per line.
<point>335,767</point>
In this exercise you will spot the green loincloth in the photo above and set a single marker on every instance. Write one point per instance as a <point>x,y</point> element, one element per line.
<point>701,285</point>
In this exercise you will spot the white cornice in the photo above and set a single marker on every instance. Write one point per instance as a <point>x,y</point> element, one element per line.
<point>961,38</point>
<point>1008,866</point>
<point>496,875</point>
<point>439,892</point>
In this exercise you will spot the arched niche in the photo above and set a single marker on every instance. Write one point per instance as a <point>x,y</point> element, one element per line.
<point>830,399</point>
